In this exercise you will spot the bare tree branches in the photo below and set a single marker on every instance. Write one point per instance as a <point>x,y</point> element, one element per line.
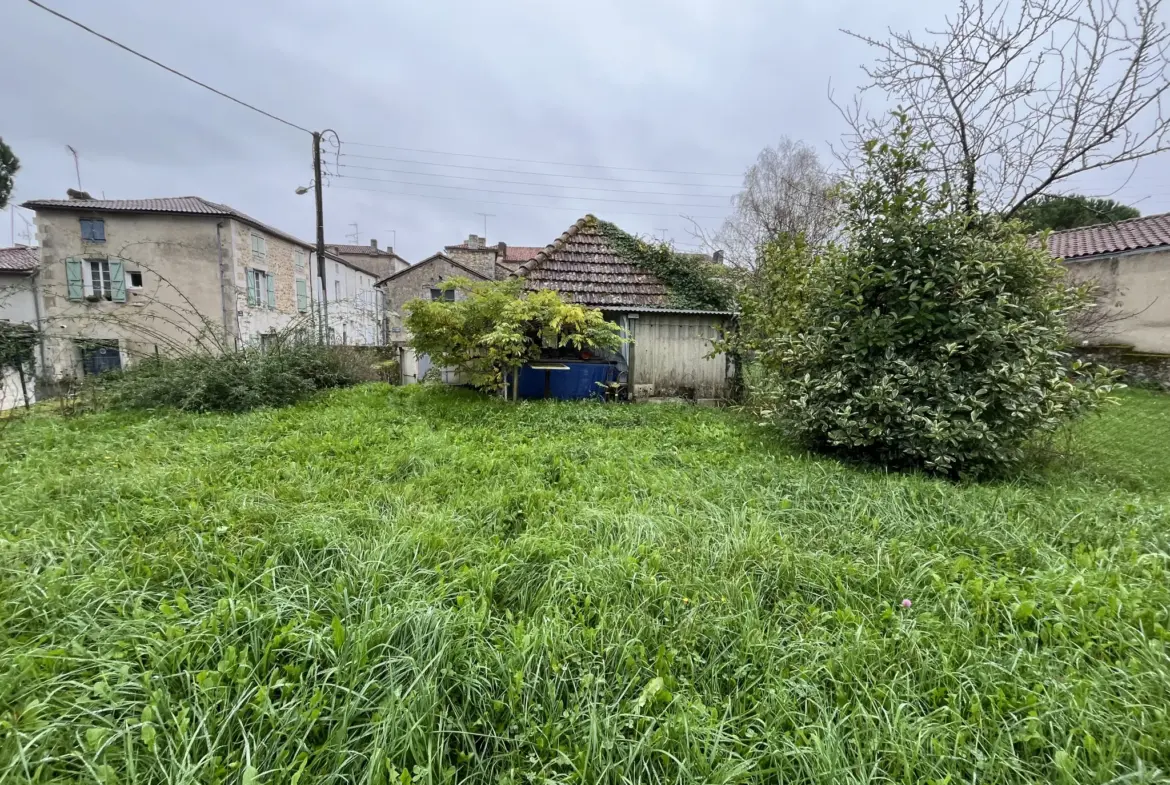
<point>1017,96</point>
<point>786,191</point>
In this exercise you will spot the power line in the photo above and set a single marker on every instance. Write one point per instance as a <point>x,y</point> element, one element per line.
<point>545,163</point>
<point>515,204</point>
<point>528,193</point>
<point>151,60</point>
<point>522,182</point>
<point>516,171</point>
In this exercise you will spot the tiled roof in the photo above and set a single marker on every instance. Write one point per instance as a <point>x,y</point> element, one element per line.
<point>583,267</point>
<point>1130,235</point>
<point>177,205</point>
<point>18,259</point>
<point>518,254</point>
<point>361,250</point>
<point>441,256</point>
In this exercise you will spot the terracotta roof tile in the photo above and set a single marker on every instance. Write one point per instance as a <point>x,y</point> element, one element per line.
<point>518,254</point>
<point>176,205</point>
<point>583,267</point>
<point>1129,235</point>
<point>19,259</point>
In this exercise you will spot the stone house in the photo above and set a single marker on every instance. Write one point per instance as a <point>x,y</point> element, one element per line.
<point>18,305</point>
<point>421,280</point>
<point>1129,262</point>
<point>490,261</point>
<point>121,279</point>
<point>378,262</point>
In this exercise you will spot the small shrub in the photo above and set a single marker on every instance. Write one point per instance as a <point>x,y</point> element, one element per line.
<point>235,381</point>
<point>934,338</point>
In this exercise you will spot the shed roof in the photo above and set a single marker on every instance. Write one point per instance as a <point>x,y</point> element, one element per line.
<point>583,266</point>
<point>1133,234</point>
<point>20,259</point>
<point>175,205</point>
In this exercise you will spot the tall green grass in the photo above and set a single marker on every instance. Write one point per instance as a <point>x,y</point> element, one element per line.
<point>398,585</point>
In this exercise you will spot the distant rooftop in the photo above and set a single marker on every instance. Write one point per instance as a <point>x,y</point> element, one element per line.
<point>1133,234</point>
<point>175,205</point>
<point>21,259</point>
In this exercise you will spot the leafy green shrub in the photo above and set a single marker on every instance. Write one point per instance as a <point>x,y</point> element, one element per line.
<point>235,381</point>
<point>933,337</point>
<point>496,326</point>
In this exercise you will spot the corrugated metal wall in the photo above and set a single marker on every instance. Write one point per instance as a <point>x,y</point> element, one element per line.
<point>671,353</point>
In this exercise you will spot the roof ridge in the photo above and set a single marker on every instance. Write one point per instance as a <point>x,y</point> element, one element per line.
<point>1111,223</point>
<point>555,245</point>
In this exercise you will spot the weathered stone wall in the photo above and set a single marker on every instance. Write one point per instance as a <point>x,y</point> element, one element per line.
<point>179,305</point>
<point>1142,369</point>
<point>482,260</point>
<point>257,320</point>
<point>415,282</point>
<point>1133,295</point>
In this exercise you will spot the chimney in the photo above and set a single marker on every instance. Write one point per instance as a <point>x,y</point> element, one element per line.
<point>501,251</point>
<point>374,244</point>
<point>475,241</point>
<point>78,195</point>
<point>717,257</point>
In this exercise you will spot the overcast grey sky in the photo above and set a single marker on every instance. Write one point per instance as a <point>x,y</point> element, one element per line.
<point>685,85</point>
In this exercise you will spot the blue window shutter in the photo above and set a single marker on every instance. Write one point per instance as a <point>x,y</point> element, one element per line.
<point>74,280</point>
<point>253,295</point>
<point>93,230</point>
<point>271,291</point>
<point>117,281</point>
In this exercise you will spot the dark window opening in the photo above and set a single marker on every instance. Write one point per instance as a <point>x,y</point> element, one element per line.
<point>443,294</point>
<point>99,357</point>
<point>135,279</point>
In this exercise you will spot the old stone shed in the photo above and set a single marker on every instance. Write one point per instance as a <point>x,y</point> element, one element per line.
<point>671,352</point>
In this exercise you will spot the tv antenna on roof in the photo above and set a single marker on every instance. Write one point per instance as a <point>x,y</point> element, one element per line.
<point>76,165</point>
<point>485,217</point>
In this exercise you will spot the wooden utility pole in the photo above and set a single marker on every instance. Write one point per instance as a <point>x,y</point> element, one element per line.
<point>318,186</point>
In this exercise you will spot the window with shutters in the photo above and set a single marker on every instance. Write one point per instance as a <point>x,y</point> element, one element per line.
<point>299,259</point>
<point>100,283</point>
<point>93,230</point>
<point>259,248</point>
<point>261,289</point>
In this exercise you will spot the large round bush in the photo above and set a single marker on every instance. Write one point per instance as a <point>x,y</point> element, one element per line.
<point>932,336</point>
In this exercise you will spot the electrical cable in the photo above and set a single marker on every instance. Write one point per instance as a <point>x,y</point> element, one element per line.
<point>151,60</point>
<point>516,171</point>
<point>528,193</point>
<point>515,204</point>
<point>544,163</point>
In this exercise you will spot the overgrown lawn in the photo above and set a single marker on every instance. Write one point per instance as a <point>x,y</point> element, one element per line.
<point>406,585</point>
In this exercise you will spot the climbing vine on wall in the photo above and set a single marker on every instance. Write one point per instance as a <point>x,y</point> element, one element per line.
<point>692,280</point>
<point>17,342</point>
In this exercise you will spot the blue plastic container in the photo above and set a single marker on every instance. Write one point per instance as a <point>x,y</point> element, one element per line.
<point>579,382</point>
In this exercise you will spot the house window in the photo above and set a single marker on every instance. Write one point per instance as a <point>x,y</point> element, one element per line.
<point>93,230</point>
<point>443,294</point>
<point>337,289</point>
<point>259,247</point>
<point>100,283</point>
<point>99,357</point>
<point>261,289</point>
<point>133,279</point>
<point>299,259</point>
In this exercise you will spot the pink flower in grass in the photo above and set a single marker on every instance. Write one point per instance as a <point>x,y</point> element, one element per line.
<point>906,603</point>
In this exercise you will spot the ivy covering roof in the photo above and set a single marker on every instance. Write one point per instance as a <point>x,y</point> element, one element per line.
<point>597,265</point>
